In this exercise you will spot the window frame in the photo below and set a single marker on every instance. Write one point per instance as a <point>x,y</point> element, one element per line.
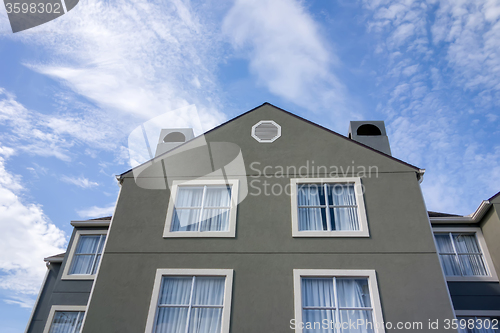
<point>231,232</point>
<point>361,210</point>
<point>161,272</point>
<point>370,274</point>
<point>492,275</point>
<point>63,308</point>
<point>69,260</point>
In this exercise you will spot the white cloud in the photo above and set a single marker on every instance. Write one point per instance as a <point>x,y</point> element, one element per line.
<point>79,181</point>
<point>27,237</point>
<point>94,211</point>
<point>287,52</point>
<point>134,59</point>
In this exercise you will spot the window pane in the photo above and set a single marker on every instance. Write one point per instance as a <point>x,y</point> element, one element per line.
<point>317,292</point>
<point>312,219</point>
<point>218,196</point>
<point>87,244</point>
<point>353,293</point>
<point>344,218</point>
<point>450,264</point>
<point>215,220</point>
<point>466,243</point>
<point>101,245</point>
<point>96,264</point>
<point>209,291</point>
<point>472,264</point>
<point>175,291</point>
<point>311,195</point>
<point>185,219</point>
<point>189,196</point>
<point>313,321</point>
<point>361,320</point>
<point>81,264</point>
<point>205,320</point>
<point>341,195</point>
<point>171,320</point>
<point>66,321</point>
<point>444,244</point>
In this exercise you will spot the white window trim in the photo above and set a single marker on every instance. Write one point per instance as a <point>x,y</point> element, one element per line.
<point>231,232</point>
<point>54,308</point>
<point>492,274</point>
<point>358,190</point>
<point>278,135</point>
<point>228,288</point>
<point>372,283</point>
<point>79,233</point>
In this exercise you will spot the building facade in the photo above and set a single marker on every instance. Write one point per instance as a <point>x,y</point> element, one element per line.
<point>271,223</point>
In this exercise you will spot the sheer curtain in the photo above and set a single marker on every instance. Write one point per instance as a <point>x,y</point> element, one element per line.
<point>187,208</point>
<point>469,254</point>
<point>343,218</point>
<point>354,293</point>
<point>87,254</point>
<point>463,259</point>
<point>204,307</point>
<point>318,304</point>
<point>311,218</point>
<point>216,209</point>
<point>66,322</point>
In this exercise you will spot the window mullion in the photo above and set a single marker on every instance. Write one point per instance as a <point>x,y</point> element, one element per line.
<point>190,304</point>
<point>336,303</point>
<point>456,254</point>
<point>202,206</point>
<point>95,255</point>
<point>327,209</point>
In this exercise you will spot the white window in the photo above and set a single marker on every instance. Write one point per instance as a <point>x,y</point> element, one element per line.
<point>65,319</point>
<point>337,301</point>
<point>190,300</point>
<point>328,207</point>
<point>85,254</point>
<point>202,209</point>
<point>463,254</point>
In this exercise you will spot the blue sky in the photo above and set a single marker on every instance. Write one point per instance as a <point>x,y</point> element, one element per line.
<point>72,90</point>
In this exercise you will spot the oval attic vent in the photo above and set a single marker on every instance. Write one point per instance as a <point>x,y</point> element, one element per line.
<point>266,131</point>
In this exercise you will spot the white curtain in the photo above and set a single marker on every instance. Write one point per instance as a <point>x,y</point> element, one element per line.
<point>354,293</point>
<point>187,219</point>
<point>66,322</point>
<point>207,291</point>
<point>469,261</point>
<point>472,264</point>
<point>345,218</point>
<point>84,260</point>
<point>318,293</point>
<point>448,261</point>
<point>312,218</point>
<point>216,219</point>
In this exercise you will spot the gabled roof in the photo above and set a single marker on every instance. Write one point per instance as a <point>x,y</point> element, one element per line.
<point>437,214</point>
<point>496,196</point>
<point>417,169</point>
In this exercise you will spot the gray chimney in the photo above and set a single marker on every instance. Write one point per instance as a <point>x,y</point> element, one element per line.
<point>370,133</point>
<point>173,137</point>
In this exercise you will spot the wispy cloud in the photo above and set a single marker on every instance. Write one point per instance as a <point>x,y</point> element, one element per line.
<point>79,181</point>
<point>94,211</point>
<point>287,52</point>
<point>439,56</point>
<point>27,237</point>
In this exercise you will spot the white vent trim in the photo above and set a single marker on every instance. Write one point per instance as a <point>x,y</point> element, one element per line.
<point>271,122</point>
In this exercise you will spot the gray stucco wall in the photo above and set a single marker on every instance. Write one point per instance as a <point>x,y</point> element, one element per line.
<point>263,254</point>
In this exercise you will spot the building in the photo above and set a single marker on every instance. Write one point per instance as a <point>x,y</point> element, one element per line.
<point>271,223</point>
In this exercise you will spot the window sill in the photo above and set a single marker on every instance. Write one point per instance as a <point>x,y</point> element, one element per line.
<point>337,234</point>
<point>471,279</point>
<point>78,277</point>
<point>198,234</point>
